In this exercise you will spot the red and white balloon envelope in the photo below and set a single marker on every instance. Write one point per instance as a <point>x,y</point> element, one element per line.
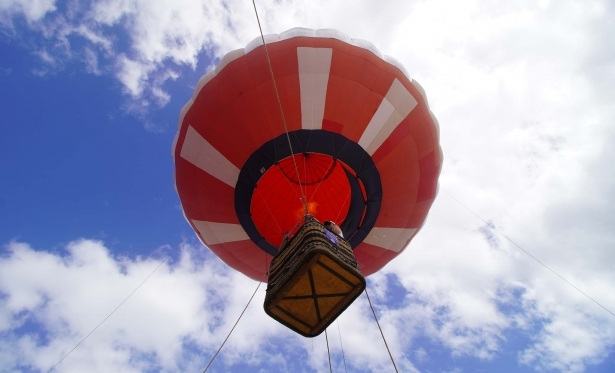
<point>366,151</point>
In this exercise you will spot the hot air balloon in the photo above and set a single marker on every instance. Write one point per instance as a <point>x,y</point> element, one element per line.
<point>344,135</point>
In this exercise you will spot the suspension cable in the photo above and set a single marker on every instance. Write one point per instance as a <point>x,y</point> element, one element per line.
<point>530,255</point>
<point>381,333</point>
<point>342,345</point>
<point>275,87</point>
<point>112,312</point>
<point>324,176</point>
<point>342,206</point>
<point>270,212</point>
<point>236,322</point>
<point>328,352</point>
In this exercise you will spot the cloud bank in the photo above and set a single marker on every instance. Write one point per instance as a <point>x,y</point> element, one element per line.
<point>179,317</point>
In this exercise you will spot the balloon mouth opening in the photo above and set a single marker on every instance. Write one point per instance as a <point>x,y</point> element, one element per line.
<point>338,177</point>
<point>277,202</point>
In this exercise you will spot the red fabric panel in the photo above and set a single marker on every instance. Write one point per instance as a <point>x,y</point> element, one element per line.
<point>216,205</point>
<point>407,243</point>
<point>271,118</point>
<point>234,247</point>
<point>252,273</point>
<point>354,96</point>
<point>379,262</point>
<point>186,187</point>
<point>421,129</point>
<point>217,201</point>
<point>397,136</point>
<point>290,96</point>
<point>326,189</point>
<point>237,111</point>
<point>383,82</point>
<point>225,256</point>
<point>351,104</point>
<point>246,108</point>
<point>355,90</point>
<point>334,93</point>
<point>284,61</point>
<point>332,126</point>
<point>429,177</point>
<point>399,174</point>
<point>373,250</point>
<point>257,261</point>
<point>230,259</point>
<point>369,78</point>
<point>361,105</point>
<point>364,259</point>
<point>240,255</point>
<point>227,136</point>
<point>258,68</point>
<point>245,96</point>
<point>422,136</point>
<point>418,215</point>
<point>372,258</point>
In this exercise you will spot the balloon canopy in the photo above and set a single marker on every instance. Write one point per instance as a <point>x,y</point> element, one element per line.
<point>365,149</point>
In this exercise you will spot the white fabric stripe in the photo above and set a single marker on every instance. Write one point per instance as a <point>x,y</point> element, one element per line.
<point>375,124</point>
<point>215,233</point>
<point>395,106</point>
<point>402,100</point>
<point>314,67</point>
<point>393,239</point>
<point>385,131</point>
<point>202,154</point>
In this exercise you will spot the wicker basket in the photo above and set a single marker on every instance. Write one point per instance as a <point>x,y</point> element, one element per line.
<point>312,280</point>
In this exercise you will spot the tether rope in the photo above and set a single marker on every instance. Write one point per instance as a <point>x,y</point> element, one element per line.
<point>112,312</point>
<point>328,352</point>
<point>342,345</point>
<point>270,212</point>
<point>287,179</point>
<point>325,175</point>
<point>530,255</point>
<point>381,333</point>
<point>233,328</point>
<point>277,94</point>
<point>342,206</point>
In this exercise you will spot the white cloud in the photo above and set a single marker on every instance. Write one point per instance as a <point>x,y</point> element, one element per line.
<point>32,10</point>
<point>71,294</point>
<point>175,321</point>
<point>91,62</point>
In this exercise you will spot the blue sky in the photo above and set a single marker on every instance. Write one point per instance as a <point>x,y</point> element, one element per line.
<point>73,157</point>
<point>91,93</point>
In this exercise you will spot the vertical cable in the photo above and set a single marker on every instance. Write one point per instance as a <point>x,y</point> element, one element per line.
<point>277,94</point>
<point>112,312</point>
<point>326,174</point>
<point>342,345</point>
<point>530,255</point>
<point>233,328</point>
<point>381,333</point>
<point>328,352</point>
